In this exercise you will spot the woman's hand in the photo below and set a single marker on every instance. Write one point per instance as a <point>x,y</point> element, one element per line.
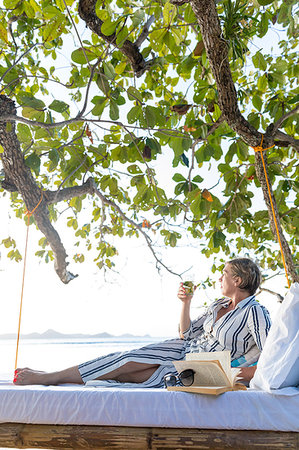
<point>185,312</point>
<point>246,373</point>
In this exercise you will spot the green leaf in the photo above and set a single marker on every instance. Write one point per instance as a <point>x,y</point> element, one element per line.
<point>109,70</point>
<point>24,133</point>
<point>113,110</point>
<point>108,27</point>
<point>33,162</point>
<point>100,103</point>
<point>121,36</point>
<point>33,102</point>
<point>263,25</point>
<point>54,158</point>
<point>257,102</point>
<point>218,238</point>
<point>1,149</point>
<point>134,169</point>
<point>150,116</point>
<point>81,56</point>
<point>138,17</point>
<point>59,106</point>
<point>50,11</point>
<point>169,13</point>
<point>100,11</point>
<point>153,144</point>
<point>134,94</point>
<point>265,2</point>
<point>3,33</point>
<point>259,61</point>
<point>54,28</point>
<point>262,83</point>
<point>178,177</point>
<point>242,151</point>
<point>134,114</point>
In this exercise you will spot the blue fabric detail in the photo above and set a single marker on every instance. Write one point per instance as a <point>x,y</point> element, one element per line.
<point>238,362</point>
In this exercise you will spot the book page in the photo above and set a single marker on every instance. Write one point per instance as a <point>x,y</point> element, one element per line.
<point>223,358</point>
<point>207,373</point>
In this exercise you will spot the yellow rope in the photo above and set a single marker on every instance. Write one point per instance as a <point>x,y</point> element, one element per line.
<point>260,149</point>
<point>28,214</point>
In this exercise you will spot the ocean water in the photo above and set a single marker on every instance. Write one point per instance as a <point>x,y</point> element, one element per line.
<point>57,354</point>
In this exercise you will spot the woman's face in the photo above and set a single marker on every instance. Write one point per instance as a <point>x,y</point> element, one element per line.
<point>228,282</point>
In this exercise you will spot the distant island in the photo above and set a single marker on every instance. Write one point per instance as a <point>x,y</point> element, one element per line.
<point>52,334</point>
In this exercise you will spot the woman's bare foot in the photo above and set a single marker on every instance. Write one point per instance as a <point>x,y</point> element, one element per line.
<point>29,376</point>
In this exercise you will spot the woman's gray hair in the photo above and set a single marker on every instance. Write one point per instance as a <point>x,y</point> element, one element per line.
<point>249,273</point>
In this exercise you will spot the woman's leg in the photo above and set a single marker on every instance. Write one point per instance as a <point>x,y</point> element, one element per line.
<point>133,366</point>
<point>130,372</point>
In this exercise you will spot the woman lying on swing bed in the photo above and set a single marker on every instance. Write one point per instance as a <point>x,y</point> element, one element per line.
<point>236,322</point>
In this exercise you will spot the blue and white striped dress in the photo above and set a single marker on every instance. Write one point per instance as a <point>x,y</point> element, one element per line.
<point>242,331</point>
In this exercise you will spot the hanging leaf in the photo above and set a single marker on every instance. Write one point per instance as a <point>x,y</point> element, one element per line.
<point>218,238</point>
<point>108,27</point>
<point>169,13</point>
<point>88,134</point>
<point>207,195</point>
<point>147,152</point>
<point>265,2</point>
<point>109,70</point>
<point>33,102</point>
<point>113,110</point>
<point>199,49</point>
<point>134,94</point>
<point>54,28</point>
<point>59,106</point>
<point>3,33</point>
<point>180,109</point>
<point>184,159</point>
<point>33,161</point>
<point>82,57</point>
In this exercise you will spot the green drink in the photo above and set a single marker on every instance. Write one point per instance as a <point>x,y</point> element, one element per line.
<point>189,287</point>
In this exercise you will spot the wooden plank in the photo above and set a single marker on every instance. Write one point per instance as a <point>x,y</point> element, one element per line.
<point>223,439</point>
<point>17,435</point>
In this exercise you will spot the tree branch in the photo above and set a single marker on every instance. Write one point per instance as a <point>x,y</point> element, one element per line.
<point>217,53</point>
<point>15,169</point>
<point>286,140</point>
<point>279,297</point>
<point>280,121</point>
<point>129,49</point>
<point>148,240</point>
<point>145,31</point>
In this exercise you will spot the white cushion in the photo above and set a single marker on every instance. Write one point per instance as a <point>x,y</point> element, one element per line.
<point>278,365</point>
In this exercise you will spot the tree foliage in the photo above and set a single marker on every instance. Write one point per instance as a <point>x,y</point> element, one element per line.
<point>88,114</point>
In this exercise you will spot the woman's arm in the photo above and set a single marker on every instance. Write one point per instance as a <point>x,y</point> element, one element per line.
<point>185,320</point>
<point>259,324</point>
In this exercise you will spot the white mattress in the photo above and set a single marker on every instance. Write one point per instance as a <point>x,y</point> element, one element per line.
<point>72,404</point>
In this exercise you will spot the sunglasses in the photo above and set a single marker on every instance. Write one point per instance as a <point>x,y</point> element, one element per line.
<point>186,378</point>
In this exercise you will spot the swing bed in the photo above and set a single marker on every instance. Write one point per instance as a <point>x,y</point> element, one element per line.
<point>75,416</point>
<point>91,417</point>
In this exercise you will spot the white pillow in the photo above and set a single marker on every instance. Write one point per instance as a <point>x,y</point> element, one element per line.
<point>278,365</point>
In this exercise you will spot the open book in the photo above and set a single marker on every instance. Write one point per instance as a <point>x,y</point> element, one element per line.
<point>213,373</point>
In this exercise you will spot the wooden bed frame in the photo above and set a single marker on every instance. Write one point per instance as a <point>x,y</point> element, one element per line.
<point>19,435</point>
